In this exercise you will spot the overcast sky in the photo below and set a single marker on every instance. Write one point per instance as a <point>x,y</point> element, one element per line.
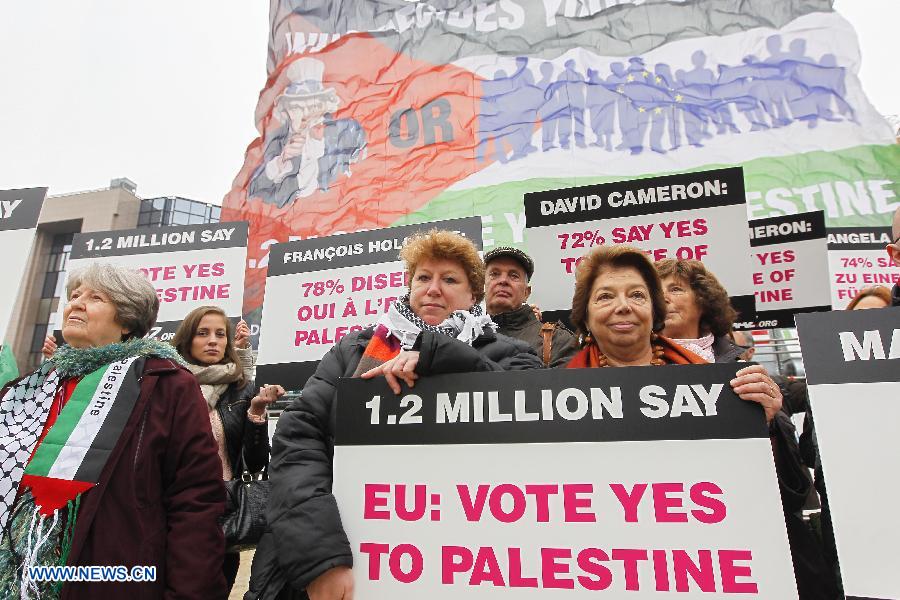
<point>163,92</point>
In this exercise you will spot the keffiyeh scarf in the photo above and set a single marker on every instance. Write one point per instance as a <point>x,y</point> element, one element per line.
<point>399,328</point>
<point>38,520</point>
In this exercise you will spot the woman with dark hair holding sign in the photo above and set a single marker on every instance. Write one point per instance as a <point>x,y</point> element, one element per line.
<point>107,457</point>
<point>436,328</point>
<point>619,308</point>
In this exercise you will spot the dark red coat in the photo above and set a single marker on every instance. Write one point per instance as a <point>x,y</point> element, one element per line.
<point>158,499</point>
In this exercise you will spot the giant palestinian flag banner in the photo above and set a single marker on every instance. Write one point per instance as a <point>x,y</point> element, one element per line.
<point>380,112</point>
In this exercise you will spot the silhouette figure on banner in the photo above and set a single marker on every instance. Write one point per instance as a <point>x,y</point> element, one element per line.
<point>658,106</point>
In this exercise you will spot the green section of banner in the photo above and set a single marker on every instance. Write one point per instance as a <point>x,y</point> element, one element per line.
<point>856,187</point>
<point>8,368</point>
<point>68,418</point>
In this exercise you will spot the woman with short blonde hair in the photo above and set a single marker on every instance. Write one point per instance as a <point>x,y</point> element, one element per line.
<point>445,245</point>
<point>436,328</point>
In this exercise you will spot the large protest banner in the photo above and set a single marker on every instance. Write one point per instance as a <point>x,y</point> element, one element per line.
<point>19,212</point>
<point>858,259</point>
<point>560,483</point>
<point>190,265</point>
<point>698,216</point>
<point>852,363</point>
<point>383,113</point>
<point>320,290</point>
<point>790,269</point>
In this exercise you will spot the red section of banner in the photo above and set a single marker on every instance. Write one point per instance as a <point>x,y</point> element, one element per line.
<point>340,153</point>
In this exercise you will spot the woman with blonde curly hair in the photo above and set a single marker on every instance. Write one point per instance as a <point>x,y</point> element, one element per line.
<point>699,315</point>
<point>436,328</point>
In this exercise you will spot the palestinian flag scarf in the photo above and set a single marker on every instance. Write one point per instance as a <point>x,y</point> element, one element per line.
<point>72,455</point>
<point>41,484</point>
<point>67,462</point>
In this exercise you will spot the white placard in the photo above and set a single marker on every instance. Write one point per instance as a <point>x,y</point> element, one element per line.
<point>544,487</point>
<point>698,216</point>
<point>790,274</point>
<point>857,259</point>
<point>852,363</point>
<point>19,212</point>
<point>189,266</point>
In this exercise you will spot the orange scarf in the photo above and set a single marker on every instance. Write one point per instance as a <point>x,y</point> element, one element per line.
<point>589,356</point>
<point>380,349</point>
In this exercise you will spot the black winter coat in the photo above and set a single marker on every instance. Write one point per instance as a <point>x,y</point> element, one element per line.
<point>240,432</point>
<point>725,350</point>
<point>306,535</point>
<point>815,579</point>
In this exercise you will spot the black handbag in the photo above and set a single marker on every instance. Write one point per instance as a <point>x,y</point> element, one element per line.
<point>244,520</point>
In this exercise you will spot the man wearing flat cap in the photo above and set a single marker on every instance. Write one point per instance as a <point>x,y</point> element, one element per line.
<point>507,275</point>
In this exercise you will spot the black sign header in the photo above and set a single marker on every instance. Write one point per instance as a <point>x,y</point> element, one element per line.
<point>851,346</point>
<point>858,238</point>
<point>153,240</point>
<point>686,402</point>
<point>20,209</point>
<point>358,249</point>
<point>787,229</point>
<point>653,195</point>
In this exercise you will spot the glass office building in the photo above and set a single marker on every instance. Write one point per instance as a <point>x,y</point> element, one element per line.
<point>173,210</point>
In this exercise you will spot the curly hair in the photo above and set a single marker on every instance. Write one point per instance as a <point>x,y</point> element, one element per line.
<point>879,291</point>
<point>184,337</point>
<point>445,245</point>
<point>615,257</point>
<point>716,314</point>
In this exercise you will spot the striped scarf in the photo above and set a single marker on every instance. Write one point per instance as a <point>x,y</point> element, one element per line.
<point>42,483</point>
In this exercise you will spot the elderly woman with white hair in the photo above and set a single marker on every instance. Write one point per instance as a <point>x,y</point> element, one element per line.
<point>108,459</point>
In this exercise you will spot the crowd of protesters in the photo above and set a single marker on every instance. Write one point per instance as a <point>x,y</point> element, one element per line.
<point>187,417</point>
